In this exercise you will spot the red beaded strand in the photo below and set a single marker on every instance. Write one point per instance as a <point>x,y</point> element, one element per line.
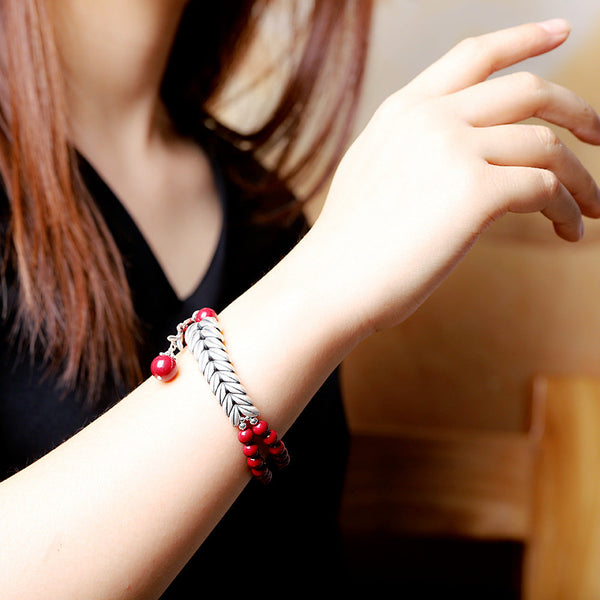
<point>257,433</point>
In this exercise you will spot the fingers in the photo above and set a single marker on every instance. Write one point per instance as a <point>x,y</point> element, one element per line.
<point>520,96</point>
<point>547,176</point>
<point>536,172</point>
<point>529,190</point>
<point>473,60</point>
<point>529,169</point>
<point>564,213</point>
<point>539,147</point>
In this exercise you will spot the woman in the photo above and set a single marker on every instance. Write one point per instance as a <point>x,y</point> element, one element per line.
<point>210,251</point>
<point>120,507</point>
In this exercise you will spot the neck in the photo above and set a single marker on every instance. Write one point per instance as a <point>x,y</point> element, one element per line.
<point>114,55</point>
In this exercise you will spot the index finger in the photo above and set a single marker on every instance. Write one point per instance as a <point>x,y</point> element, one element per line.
<point>476,58</point>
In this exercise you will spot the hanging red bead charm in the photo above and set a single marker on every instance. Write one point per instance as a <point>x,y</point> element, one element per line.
<point>164,367</point>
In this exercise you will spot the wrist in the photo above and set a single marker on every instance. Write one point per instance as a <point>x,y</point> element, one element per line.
<point>288,332</point>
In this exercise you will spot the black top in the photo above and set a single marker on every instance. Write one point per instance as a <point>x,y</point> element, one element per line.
<point>295,517</point>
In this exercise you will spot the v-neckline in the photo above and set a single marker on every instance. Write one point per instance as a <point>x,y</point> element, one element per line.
<point>109,201</point>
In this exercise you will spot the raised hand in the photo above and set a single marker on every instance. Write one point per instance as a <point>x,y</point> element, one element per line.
<point>443,158</point>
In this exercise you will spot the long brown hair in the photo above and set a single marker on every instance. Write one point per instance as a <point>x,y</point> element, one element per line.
<point>73,304</point>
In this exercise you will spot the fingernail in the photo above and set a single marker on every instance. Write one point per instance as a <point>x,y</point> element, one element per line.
<point>556,26</point>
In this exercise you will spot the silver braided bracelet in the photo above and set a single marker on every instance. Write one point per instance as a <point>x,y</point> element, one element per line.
<point>204,338</point>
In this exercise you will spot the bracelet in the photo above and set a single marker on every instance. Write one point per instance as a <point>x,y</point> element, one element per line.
<point>204,338</point>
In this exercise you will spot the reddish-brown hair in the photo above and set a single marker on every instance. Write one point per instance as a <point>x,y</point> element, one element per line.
<point>73,304</point>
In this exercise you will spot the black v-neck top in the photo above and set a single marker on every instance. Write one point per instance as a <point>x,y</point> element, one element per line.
<point>295,517</point>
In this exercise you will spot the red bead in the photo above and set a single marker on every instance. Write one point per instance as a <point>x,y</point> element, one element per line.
<point>261,428</point>
<point>245,436</point>
<point>250,450</point>
<point>282,461</point>
<point>255,462</point>
<point>277,448</point>
<point>270,438</point>
<point>264,476</point>
<point>164,367</point>
<point>281,456</point>
<point>205,312</point>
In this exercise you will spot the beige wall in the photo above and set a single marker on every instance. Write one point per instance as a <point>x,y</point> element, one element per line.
<point>522,302</point>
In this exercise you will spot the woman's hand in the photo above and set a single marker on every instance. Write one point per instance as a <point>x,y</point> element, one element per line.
<point>443,158</point>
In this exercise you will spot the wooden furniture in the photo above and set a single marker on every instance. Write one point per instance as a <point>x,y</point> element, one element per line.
<point>539,490</point>
<point>563,553</point>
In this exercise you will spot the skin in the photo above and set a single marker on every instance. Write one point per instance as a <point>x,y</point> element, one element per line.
<point>75,522</point>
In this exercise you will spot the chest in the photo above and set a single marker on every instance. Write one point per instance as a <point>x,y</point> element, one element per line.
<point>173,199</point>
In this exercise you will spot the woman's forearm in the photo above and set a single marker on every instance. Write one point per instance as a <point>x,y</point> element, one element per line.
<point>117,510</point>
